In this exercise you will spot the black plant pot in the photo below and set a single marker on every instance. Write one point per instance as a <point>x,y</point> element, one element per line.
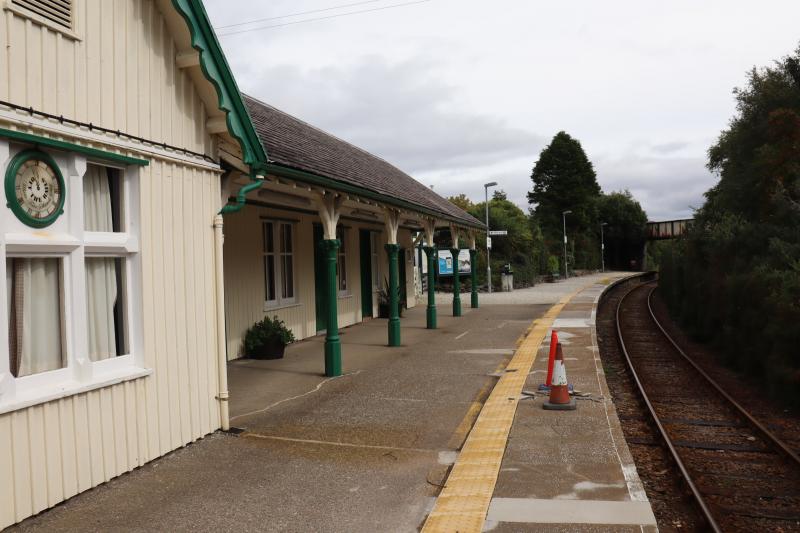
<point>383,310</point>
<point>268,350</point>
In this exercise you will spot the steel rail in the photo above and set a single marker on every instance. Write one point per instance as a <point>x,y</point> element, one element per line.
<point>771,437</point>
<point>712,523</point>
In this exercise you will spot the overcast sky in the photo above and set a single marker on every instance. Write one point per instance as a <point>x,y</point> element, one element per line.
<point>461,92</point>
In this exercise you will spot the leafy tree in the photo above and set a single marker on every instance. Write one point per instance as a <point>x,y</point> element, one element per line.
<point>564,179</point>
<point>461,201</point>
<point>735,279</point>
<point>520,247</point>
<point>624,234</point>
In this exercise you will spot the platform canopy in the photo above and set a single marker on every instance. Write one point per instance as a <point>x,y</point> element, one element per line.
<point>307,154</point>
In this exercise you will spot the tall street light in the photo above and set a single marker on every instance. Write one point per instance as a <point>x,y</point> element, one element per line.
<point>488,247</point>
<point>602,248</point>
<point>564,218</point>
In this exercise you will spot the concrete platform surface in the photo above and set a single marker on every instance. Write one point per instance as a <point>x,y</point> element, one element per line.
<point>367,451</point>
<point>560,470</point>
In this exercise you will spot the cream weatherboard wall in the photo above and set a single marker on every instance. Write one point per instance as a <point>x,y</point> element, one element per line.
<point>120,73</point>
<point>51,451</point>
<point>244,273</point>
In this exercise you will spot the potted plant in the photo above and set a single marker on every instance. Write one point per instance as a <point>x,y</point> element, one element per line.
<point>383,300</point>
<point>267,339</point>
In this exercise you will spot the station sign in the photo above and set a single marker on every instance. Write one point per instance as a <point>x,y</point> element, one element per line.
<point>498,232</point>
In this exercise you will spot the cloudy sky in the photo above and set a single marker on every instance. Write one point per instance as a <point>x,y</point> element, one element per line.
<point>461,92</point>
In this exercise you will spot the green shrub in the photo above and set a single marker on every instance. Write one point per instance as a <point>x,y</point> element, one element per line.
<point>265,332</point>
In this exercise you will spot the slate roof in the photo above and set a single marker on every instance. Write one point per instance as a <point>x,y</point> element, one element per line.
<point>296,144</point>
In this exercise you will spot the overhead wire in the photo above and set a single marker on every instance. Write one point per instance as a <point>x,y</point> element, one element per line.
<point>322,18</point>
<point>341,6</point>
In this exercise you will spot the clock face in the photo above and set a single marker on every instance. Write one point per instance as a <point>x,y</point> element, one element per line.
<point>35,188</point>
<point>38,189</point>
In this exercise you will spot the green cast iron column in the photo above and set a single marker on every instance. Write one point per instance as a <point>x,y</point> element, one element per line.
<point>394,295</point>
<point>456,283</point>
<point>473,254</point>
<point>431,310</point>
<point>333,346</point>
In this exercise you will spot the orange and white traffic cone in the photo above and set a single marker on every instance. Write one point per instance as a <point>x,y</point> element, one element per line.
<point>550,361</point>
<point>559,391</point>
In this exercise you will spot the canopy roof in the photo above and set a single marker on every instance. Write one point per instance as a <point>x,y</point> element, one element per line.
<point>295,144</point>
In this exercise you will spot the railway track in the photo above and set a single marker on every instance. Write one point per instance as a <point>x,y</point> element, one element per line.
<point>741,476</point>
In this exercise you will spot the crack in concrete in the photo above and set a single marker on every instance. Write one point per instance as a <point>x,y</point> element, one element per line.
<point>315,389</point>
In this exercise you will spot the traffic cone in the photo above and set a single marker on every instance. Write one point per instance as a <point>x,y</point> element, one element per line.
<point>559,393</point>
<point>552,358</point>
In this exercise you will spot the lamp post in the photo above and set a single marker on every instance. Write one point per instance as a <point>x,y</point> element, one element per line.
<point>488,248</point>
<point>564,218</point>
<point>602,248</point>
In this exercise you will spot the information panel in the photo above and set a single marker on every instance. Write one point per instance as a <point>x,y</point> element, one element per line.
<point>446,262</point>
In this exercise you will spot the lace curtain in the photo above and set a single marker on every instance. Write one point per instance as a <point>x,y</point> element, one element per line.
<point>34,311</point>
<point>101,272</point>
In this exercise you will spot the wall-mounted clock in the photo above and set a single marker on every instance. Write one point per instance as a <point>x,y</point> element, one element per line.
<point>35,189</point>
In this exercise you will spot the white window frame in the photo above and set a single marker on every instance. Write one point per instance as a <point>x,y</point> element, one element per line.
<point>67,241</point>
<point>277,227</point>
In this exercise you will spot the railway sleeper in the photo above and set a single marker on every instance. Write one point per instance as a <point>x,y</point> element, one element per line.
<point>723,447</point>
<point>784,515</point>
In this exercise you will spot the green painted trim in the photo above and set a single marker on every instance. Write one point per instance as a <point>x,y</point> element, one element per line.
<point>456,283</point>
<point>430,315</point>
<point>71,147</point>
<point>394,295</point>
<point>333,344</point>
<point>241,197</point>
<point>365,270</point>
<point>216,70</point>
<point>10,186</point>
<point>315,179</point>
<point>473,255</point>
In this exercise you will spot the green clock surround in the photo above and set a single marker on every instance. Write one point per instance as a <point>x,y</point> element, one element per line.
<point>10,186</point>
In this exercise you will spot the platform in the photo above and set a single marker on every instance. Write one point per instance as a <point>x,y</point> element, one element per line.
<point>523,468</point>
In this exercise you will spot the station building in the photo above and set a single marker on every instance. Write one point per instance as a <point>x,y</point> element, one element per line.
<point>152,214</point>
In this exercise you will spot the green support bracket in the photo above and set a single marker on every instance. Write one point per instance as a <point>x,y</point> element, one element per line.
<point>394,295</point>
<point>473,255</point>
<point>456,283</point>
<point>430,251</point>
<point>333,345</point>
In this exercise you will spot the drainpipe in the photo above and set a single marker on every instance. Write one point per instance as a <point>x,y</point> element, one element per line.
<point>219,289</point>
<point>240,196</point>
<point>222,356</point>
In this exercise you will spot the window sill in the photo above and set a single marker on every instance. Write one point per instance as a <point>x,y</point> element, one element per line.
<point>71,388</point>
<point>269,308</point>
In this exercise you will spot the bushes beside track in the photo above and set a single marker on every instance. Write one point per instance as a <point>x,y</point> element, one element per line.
<point>734,280</point>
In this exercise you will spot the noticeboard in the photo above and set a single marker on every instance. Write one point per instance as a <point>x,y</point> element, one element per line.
<point>446,262</point>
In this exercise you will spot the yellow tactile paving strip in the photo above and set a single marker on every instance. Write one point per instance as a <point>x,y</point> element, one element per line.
<point>464,501</point>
